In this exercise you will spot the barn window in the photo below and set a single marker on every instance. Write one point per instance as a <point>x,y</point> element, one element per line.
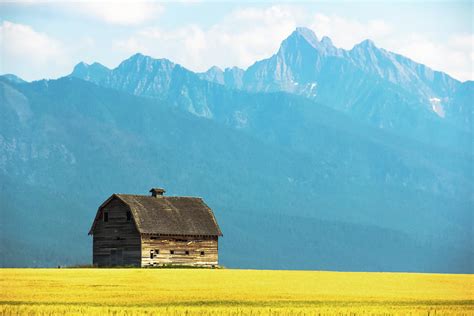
<point>172,252</point>
<point>187,252</point>
<point>157,251</point>
<point>106,216</point>
<point>202,253</point>
<point>129,216</point>
<point>152,255</point>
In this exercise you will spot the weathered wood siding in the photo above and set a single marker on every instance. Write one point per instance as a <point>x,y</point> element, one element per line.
<point>117,241</point>
<point>161,246</point>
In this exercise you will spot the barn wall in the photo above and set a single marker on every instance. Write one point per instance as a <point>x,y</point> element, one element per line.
<point>180,244</point>
<point>116,242</point>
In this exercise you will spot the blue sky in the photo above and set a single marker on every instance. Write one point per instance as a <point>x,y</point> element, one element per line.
<point>45,39</point>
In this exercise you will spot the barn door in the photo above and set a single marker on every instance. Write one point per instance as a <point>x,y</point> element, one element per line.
<point>116,257</point>
<point>119,257</point>
<point>113,257</point>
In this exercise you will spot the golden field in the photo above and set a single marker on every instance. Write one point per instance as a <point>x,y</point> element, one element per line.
<point>231,292</point>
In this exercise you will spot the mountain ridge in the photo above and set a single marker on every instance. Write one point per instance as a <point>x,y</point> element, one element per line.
<point>369,77</point>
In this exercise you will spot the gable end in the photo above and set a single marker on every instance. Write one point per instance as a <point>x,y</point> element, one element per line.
<point>113,197</point>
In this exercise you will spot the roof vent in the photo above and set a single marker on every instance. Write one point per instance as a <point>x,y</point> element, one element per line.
<point>156,192</point>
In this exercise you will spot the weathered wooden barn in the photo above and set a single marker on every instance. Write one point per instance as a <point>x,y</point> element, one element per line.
<point>153,230</point>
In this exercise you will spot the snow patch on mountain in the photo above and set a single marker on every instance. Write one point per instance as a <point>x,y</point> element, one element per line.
<point>310,89</point>
<point>240,119</point>
<point>437,107</point>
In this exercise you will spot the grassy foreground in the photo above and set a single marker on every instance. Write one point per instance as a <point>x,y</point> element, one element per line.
<point>231,292</point>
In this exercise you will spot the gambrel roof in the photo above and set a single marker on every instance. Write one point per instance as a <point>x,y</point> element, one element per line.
<point>168,215</point>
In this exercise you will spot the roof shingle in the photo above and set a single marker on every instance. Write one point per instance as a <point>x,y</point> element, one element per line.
<point>171,215</point>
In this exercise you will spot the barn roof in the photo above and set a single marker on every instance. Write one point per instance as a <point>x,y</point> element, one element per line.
<point>169,215</point>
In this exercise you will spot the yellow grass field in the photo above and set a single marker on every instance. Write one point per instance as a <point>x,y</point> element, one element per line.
<point>231,292</point>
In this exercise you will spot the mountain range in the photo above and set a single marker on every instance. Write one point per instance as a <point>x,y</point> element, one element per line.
<point>371,84</point>
<point>315,158</point>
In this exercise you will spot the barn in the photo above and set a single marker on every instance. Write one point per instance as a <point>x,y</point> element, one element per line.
<point>154,230</point>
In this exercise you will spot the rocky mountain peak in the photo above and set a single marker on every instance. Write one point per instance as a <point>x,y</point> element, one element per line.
<point>140,62</point>
<point>326,41</point>
<point>307,34</point>
<point>300,35</point>
<point>366,44</point>
<point>214,70</point>
<point>93,72</point>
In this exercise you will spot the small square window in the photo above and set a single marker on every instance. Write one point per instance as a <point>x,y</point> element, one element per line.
<point>187,252</point>
<point>157,251</point>
<point>106,216</point>
<point>172,252</point>
<point>129,216</point>
<point>202,253</point>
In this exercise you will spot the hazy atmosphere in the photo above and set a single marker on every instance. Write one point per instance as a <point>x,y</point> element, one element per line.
<point>334,136</point>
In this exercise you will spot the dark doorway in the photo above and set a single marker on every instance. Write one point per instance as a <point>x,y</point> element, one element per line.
<point>116,257</point>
